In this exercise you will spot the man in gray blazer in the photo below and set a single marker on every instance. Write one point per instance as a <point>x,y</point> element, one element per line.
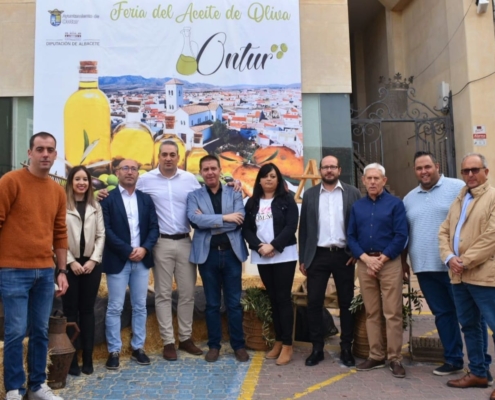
<point>323,252</point>
<point>216,213</point>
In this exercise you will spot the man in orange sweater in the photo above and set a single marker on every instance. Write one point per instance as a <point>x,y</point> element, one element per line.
<point>32,226</point>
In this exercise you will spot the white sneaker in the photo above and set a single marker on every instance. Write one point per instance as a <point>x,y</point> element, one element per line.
<point>13,395</point>
<point>44,393</point>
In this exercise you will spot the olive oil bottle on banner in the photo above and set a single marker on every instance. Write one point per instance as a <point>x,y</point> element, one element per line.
<point>87,120</point>
<point>196,154</point>
<point>180,144</point>
<point>132,138</point>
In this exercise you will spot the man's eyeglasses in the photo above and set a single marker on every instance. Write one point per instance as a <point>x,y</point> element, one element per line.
<point>127,169</point>
<point>474,171</point>
<point>329,167</point>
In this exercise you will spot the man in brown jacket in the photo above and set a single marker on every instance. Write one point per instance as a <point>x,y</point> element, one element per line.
<point>467,246</point>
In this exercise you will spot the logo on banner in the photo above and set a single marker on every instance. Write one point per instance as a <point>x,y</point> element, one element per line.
<point>214,50</point>
<point>55,17</point>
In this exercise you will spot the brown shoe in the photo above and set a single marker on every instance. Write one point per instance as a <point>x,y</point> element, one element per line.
<point>370,364</point>
<point>189,347</point>
<point>397,369</point>
<point>169,352</point>
<point>285,355</point>
<point>212,355</point>
<point>492,396</point>
<point>467,381</point>
<point>274,352</point>
<point>241,355</point>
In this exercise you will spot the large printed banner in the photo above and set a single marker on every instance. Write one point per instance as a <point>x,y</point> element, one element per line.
<point>114,79</point>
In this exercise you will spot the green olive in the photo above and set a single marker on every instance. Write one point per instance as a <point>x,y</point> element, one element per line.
<point>112,180</point>
<point>280,54</point>
<point>274,48</point>
<point>283,47</point>
<point>111,187</point>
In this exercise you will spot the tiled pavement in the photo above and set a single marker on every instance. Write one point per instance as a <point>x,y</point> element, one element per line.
<point>193,378</point>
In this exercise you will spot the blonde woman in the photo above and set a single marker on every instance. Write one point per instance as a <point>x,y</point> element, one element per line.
<point>86,233</point>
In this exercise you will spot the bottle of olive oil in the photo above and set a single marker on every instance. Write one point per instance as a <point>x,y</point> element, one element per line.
<point>196,154</point>
<point>87,120</point>
<point>180,144</point>
<point>132,138</point>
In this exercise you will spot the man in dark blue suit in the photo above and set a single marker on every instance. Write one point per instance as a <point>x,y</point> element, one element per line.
<point>131,228</point>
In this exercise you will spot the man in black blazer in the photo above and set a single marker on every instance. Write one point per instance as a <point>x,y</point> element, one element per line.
<point>323,252</point>
<point>131,231</point>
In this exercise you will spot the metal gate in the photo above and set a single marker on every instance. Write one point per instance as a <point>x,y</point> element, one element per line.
<point>433,129</point>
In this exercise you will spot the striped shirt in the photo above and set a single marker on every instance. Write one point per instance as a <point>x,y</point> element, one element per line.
<point>425,212</point>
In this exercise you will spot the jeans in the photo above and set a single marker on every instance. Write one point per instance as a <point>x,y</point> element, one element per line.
<point>324,264</point>
<point>475,303</point>
<point>27,296</point>
<point>222,271</point>
<point>437,289</point>
<point>278,279</point>
<point>136,275</point>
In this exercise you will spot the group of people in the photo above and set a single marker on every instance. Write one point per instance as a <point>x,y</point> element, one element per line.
<point>444,226</point>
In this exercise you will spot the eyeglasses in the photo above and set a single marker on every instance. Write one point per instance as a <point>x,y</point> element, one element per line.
<point>127,169</point>
<point>474,171</point>
<point>329,167</point>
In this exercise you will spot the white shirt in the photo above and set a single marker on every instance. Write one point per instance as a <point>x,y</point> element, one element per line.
<point>170,198</point>
<point>131,209</point>
<point>265,233</point>
<point>331,226</point>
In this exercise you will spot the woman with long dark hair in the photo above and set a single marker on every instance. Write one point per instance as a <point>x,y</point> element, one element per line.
<point>86,233</point>
<point>269,228</point>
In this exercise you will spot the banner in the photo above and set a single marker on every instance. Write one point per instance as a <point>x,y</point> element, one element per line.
<point>115,79</point>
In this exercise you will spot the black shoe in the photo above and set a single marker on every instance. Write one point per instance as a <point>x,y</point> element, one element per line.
<point>87,359</point>
<point>74,369</point>
<point>113,361</point>
<point>347,358</point>
<point>140,357</point>
<point>314,358</point>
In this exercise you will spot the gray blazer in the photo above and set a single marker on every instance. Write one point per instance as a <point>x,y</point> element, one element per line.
<point>208,223</point>
<point>308,224</point>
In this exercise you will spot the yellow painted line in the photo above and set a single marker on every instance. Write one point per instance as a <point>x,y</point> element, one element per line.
<point>422,313</point>
<point>318,386</point>
<point>251,378</point>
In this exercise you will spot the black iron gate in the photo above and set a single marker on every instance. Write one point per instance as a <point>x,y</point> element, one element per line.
<point>433,129</point>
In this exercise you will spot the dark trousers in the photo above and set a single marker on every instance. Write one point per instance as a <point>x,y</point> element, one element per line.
<point>278,279</point>
<point>79,302</point>
<point>324,264</point>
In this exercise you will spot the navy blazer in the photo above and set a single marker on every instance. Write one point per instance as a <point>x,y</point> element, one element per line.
<point>118,234</point>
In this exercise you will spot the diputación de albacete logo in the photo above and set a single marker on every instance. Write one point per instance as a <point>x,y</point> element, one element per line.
<point>55,17</point>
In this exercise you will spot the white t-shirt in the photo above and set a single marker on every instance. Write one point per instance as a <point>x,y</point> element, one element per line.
<point>264,226</point>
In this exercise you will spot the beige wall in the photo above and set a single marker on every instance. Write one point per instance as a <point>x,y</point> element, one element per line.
<point>326,65</point>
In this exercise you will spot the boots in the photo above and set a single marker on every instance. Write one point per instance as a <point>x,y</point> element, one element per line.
<point>74,366</point>
<point>87,357</point>
<point>285,355</point>
<point>274,352</point>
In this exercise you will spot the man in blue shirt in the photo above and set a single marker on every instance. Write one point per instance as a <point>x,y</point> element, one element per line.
<point>377,235</point>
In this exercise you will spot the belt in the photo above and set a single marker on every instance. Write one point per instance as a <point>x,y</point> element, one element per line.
<point>174,237</point>
<point>374,253</point>
<point>332,248</point>
<point>223,246</point>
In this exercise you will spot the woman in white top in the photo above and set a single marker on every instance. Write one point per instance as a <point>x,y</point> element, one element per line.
<point>86,232</point>
<point>270,228</point>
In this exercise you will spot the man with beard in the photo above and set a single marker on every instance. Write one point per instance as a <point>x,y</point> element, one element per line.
<point>323,252</point>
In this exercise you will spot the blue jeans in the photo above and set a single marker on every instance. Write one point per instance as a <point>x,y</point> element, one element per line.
<point>222,271</point>
<point>474,304</point>
<point>437,289</point>
<point>135,275</point>
<point>27,296</point>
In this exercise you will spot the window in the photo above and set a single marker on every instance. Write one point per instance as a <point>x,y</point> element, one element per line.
<point>6,135</point>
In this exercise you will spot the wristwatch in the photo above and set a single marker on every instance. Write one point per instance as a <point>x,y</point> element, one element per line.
<point>63,271</point>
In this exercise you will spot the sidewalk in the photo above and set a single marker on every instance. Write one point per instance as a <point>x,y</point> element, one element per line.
<point>193,378</point>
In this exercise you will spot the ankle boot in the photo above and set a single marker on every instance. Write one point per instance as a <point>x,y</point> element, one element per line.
<point>87,357</point>
<point>74,366</point>
<point>274,352</point>
<point>285,355</point>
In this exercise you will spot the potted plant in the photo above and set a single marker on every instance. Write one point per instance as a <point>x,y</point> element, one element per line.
<point>257,319</point>
<point>361,347</point>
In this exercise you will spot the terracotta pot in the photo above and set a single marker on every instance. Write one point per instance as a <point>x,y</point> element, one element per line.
<point>253,331</point>
<point>61,350</point>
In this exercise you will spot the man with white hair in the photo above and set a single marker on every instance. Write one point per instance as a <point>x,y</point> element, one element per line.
<point>377,235</point>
